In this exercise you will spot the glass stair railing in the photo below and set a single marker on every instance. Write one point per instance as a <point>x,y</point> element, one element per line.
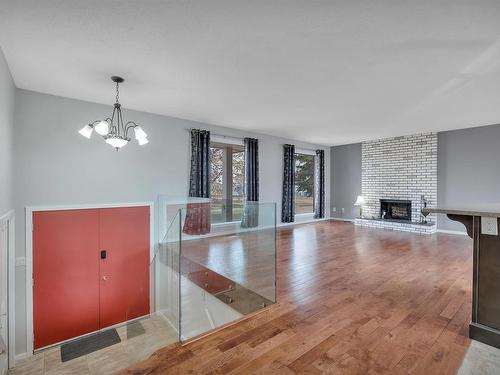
<point>213,272</point>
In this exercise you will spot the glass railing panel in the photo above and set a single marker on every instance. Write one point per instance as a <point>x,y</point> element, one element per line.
<point>167,273</point>
<point>228,269</point>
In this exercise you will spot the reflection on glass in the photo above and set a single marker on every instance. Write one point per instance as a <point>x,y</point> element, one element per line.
<point>224,274</point>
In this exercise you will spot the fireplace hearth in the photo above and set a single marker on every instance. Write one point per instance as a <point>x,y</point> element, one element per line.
<point>395,209</point>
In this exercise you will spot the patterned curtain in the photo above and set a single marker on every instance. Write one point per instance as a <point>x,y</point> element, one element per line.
<point>250,217</point>
<point>288,196</point>
<point>319,184</point>
<point>198,214</point>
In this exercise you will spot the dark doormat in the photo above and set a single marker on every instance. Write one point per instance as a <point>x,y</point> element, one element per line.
<point>89,344</point>
<point>135,329</point>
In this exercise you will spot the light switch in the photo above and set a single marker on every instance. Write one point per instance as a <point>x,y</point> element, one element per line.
<point>489,225</point>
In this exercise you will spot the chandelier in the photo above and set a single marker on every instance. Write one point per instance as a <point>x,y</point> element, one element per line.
<point>112,129</point>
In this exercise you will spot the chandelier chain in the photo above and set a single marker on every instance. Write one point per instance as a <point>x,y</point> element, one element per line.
<point>117,91</point>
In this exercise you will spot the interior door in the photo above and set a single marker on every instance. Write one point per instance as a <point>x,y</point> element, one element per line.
<point>124,264</point>
<point>65,275</point>
<point>4,338</point>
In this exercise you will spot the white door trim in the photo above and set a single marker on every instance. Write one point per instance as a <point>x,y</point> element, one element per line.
<point>9,218</point>
<point>29,250</point>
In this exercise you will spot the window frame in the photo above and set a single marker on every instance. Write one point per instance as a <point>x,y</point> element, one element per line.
<point>308,153</point>
<point>227,173</point>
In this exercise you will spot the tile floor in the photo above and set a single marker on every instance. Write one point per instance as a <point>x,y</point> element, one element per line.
<point>480,359</point>
<point>133,348</point>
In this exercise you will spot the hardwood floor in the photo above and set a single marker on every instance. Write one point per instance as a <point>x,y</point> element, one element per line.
<point>350,300</point>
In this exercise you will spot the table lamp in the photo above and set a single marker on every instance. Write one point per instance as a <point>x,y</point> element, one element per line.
<point>360,201</point>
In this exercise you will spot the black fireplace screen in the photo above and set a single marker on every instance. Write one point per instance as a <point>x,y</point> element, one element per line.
<point>395,209</point>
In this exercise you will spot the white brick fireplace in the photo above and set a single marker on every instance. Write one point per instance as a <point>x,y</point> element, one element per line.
<point>399,168</point>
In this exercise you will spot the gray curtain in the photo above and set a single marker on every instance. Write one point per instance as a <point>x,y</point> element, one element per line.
<point>319,184</point>
<point>199,182</point>
<point>250,217</point>
<point>288,195</point>
<point>198,214</point>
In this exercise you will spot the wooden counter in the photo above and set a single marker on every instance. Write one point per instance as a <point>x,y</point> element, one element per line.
<point>485,324</point>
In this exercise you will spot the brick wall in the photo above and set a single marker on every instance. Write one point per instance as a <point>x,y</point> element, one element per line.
<point>400,168</point>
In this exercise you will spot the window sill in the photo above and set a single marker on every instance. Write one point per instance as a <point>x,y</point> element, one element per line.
<point>225,223</point>
<point>308,215</point>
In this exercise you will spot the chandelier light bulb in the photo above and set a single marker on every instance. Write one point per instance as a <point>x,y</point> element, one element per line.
<point>86,131</point>
<point>102,128</point>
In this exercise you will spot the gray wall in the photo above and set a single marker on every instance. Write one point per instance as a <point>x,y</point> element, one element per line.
<point>468,169</point>
<point>7,92</point>
<point>54,165</point>
<point>346,180</point>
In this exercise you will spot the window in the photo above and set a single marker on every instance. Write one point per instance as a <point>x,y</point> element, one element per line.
<point>304,183</point>
<point>226,178</point>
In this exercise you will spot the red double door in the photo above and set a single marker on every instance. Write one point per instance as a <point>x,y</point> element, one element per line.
<point>90,270</point>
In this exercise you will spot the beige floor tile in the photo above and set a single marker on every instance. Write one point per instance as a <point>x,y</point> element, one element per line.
<point>142,347</point>
<point>480,359</point>
<point>108,361</point>
<point>148,325</point>
<point>75,366</point>
<point>52,359</point>
<point>158,334</point>
<point>30,366</point>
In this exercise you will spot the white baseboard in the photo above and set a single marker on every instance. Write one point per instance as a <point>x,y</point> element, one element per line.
<point>447,231</point>
<point>342,219</point>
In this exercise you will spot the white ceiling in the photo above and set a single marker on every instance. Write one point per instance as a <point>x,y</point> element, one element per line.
<point>327,72</point>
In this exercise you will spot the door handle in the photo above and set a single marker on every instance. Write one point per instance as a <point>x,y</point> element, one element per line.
<point>104,278</point>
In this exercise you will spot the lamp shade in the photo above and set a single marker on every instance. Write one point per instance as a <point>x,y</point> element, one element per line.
<point>139,133</point>
<point>360,200</point>
<point>86,131</point>
<point>102,128</point>
<point>116,142</point>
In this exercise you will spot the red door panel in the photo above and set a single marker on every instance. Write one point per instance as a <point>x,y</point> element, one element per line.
<point>124,274</point>
<point>65,274</point>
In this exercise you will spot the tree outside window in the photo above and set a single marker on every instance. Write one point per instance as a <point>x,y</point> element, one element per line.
<point>304,184</point>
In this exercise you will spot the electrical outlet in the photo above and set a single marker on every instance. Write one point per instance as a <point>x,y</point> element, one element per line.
<point>489,225</point>
<point>343,210</point>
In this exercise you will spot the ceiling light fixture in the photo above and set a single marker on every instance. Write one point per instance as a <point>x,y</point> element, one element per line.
<point>112,129</point>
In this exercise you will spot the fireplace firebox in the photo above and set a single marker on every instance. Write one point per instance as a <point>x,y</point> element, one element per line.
<point>395,209</point>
